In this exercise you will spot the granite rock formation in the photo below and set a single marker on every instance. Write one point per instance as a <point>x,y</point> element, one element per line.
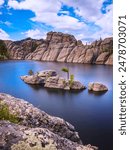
<point>61,83</point>
<point>62,47</point>
<point>39,77</point>
<point>37,129</point>
<point>19,49</point>
<point>50,79</point>
<point>97,87</point>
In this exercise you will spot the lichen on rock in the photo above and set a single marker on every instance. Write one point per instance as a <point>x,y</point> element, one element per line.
<point>37,130</point>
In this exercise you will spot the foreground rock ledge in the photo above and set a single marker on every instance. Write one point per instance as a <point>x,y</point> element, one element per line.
<point>50,79</point>
<point>37,129</point>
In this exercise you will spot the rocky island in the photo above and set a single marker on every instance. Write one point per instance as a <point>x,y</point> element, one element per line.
<point>35,129</point>
<point>50,79</point>
<point>60,47</point>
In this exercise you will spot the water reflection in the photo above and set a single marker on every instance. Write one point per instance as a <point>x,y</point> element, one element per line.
<point>97,93</point>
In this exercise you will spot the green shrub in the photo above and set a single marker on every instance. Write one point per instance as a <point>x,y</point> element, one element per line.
<point>30,72</point>
<point>6,115</point>
<point>71,81</point>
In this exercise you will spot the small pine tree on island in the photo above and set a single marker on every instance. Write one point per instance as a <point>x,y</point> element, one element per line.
<point>30,72</point>
<point>67,71</point>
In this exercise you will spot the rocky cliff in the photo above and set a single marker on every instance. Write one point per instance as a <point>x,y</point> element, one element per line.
<point>62,48</point>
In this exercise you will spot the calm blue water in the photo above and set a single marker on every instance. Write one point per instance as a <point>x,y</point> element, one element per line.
<point>92,115</point>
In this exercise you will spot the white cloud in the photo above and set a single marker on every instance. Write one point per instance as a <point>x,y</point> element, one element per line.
<point>88,9</point>
<point>4,35</point>
<point>35,34</point>
<point>46,12</point>
<point>1,2</point>
<point>59,22</point>
<point>106,21</point>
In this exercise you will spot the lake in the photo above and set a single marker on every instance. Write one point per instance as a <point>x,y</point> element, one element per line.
<point>91,114</point>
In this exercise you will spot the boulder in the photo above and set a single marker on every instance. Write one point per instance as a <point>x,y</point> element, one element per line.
<point>39,77</point>
<point>76,85</point>
<point>61,83</point>
<point>57,83</point>
<point>47,73</point>
<point>33,79</point>
<point>97,87</point>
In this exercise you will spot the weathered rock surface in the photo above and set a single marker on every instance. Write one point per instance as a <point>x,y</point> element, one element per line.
<point>17,137</point>
<point>38,78</point>
<point>62,48</point>
<point>61,83</point>
<point>19,49</point>
<point>50,79</point>
<point>31,116</point>
<point>37,130</point>
<point>97,87</point>
<point>102,58</point>
<point>109,60</point>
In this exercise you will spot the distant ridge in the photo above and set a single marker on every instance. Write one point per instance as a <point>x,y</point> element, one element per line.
<point>61,47</point>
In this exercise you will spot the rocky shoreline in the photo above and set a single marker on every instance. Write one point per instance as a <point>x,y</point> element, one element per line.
<point>60,47</point>
<point>36,129</point>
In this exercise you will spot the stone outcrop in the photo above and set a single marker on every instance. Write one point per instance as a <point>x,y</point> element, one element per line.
<point>102,58</point>
<point>61,83</point>
<point>38,78</point>
<point>97,87</point>
<point>109,60</point>
<point>50,79</point>
<point>19,49</point>
<point>61,47</point>
<point>37,129</point>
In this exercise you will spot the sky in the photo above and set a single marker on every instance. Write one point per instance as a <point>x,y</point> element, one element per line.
<point>87,20</point>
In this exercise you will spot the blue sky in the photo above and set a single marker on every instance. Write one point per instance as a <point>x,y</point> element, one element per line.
<point>87,20</point>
